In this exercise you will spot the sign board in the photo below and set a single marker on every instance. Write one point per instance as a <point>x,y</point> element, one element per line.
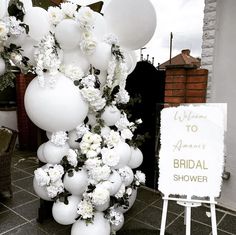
<point>192,150</point>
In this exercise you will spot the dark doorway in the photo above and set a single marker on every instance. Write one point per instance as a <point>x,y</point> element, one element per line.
<point>148,83</point>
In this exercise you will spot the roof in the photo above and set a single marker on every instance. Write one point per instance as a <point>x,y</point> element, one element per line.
<point>184,58</point>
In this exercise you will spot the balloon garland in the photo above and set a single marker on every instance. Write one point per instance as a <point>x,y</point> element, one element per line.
<point>81,59</point>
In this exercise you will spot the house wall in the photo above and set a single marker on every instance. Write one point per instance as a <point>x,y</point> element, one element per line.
<point>218,55</point>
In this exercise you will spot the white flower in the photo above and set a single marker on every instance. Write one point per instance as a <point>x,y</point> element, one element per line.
<point>112,139</point>
<point>41,177</point>
<point>126,173</point>
<point>68,9</point>
<point>129,191</point>
<point>111,39</point>
<point>72,157</point>
<point>85,209</point>
<point>115,217</point>
<point>139,121</point>
<point>126,134</point>
<point>100,173</point>
<point>59,138</point>
<point>71,71</point>
<point>16,57</point>
<point>92,163</point>
<point>88,44</point>
<point>98,104</point>
<point>56,15</point>
<point>55,173</point>
<point>54,189</point>
<point>14,26</point>
<point>3,31</point>
<point>91,93</point>
<point>141,178</point>
<point>122,97</point>
<point>123,123</point>
<point>110,157</point>
<point>88,81</point>
<point>121,191</point>
<point>86,18</point>
<point>100,196</point>
<point>81,130</point>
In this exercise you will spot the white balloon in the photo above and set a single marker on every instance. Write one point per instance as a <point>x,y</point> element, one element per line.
<point>66,214</point>
<point>131,201</point>
<point>134,22</point>
<point>115,181</point>
<point>136,158</point>
<point>38,21</point>
<point>77,58</point>
<point>68,34</point>
<point>111,115</point>
<point>121,223</point>
<point>124,152</point>
<point>131,60</point>
<point>2,66</point>
<point>100,26</point>
<point>72,135</point>
<point>3,8</point>
<point>28,49</point>
<point>17,40</point>
<point>41,191</point>
<point>77,183</point>
<point>100,226</point>
<point>49,134</point>
<point>59,108</point>
<point>129,176</point>
<point>102,207</point>
<point>53,154</point>
<point>101,56</point>
<point>40,154</point>
<point>27,4</point>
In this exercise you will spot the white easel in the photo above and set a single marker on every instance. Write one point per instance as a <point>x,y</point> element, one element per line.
<point>188,203</point>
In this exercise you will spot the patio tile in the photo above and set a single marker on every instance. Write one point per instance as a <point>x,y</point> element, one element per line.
<point>228,224</point>
<point>147,196</point>
<point>26,184</point>
<point>18,174</point>
<point>136,208</point>
<point>172,206</point>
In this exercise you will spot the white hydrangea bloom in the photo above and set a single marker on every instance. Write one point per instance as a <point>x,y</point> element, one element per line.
<point>112,139</point>
<point>68,9</point>
<point>59,138</point>
<point>14,26</point>
<point>92,163</point>
<point>88,44</point>
<point>86,18</point>
<point>71,71</point>
<point>72,157</point>
<point>56,15</point>
<point>54,189</point>
<point>100,173</point>
<point>122,96</point>
<point>100,196</point>
<point>88,81</point>
<point>41,177</point>
<point>55,173</point>
<point>81,130</point>
<point>85,209</point>
<point>110,157</point>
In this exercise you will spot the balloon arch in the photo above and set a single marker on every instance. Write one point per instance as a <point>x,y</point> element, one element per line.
<point>81,59</point>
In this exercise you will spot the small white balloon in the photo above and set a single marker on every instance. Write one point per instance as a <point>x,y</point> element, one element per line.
<point>53,154</point>
<point>124,152</point>
<point>66,214</point>
<point>100,226</point>
<point>101,56</point>
<point>117,227</point>
<point>131,201</point>
<point>2,66</point>
<point>27,4</point>
<point>41,191</point>
<point>72,141</point>
<point>38,21</point>
<point>68,34</point>
<point>111,115</point>
<point>59,108</point>
<point>115,182</point>
<point>40,154</point>
<point>103,207</point>
<point>77,58</point>
<point>136,158</point>
<point>129,176</point>
<point>77,183</point>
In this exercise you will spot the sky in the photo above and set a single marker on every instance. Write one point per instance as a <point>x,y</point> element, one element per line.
<point>182,17</point>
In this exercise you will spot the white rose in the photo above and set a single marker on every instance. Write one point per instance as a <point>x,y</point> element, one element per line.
<point>55,173</point>
<point>110,157</point>
<point>100,196</point>
<point>126,134</point>
<point>41,177</point>
<point>56,15</point>
<point>121,191</point>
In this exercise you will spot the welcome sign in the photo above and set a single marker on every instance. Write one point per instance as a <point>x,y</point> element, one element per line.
<point>192,150</point>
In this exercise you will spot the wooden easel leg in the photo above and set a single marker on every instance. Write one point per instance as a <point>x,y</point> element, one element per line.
<point>164,214</point>
<point>213,219</point>
<point>188,220</point>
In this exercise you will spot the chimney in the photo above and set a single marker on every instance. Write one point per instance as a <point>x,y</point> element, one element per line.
<point>186,52</point>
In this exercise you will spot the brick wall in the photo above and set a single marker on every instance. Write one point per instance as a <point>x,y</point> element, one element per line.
<point>185,85</point>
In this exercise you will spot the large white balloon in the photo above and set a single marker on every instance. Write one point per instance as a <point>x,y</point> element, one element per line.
<point>136,158</point>
<point>115,182</point>
<point>131,60</point>
<point>124,152</point>
<point>38,21</point>
<point>73,137</point>
<point>28,49</point>
<point>111,115</point>
<point>133,21</point>
<point>27,4</point>
<point>101,56</point>
<point>40,154</point>
<point>53,154</point>
<point>77,58</point>
<point>100,26</point>
<point>68,34</point>
<point>66,213</point>
<point>77,183</point>
<point>2,66</point>
<point>100,226</point>
<point>3,8</point>
<point>41,191</point>
<point>59,108</point>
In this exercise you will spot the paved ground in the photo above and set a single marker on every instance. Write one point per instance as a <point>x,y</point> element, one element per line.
<point>18,215</point>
